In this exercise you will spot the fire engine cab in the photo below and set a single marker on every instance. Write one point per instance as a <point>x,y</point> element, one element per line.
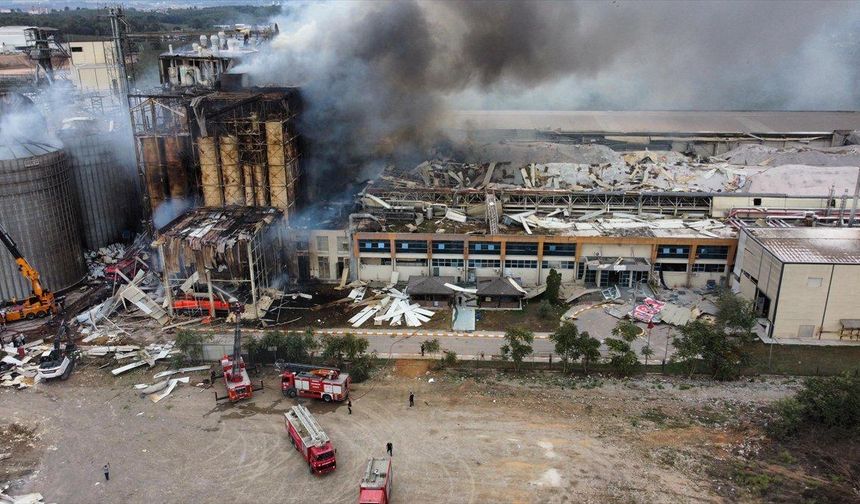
<point>328,384</point>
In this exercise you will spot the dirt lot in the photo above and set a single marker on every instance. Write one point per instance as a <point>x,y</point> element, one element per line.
<point>470,439</point>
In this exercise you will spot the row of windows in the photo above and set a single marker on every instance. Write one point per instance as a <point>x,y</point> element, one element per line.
<point>495,248</point>
<point>709,268</point>
<point>515,248</point>
<point>559,265</point>
<point>484,263</point>
<point>448,247</point>
<point>492,248</point>
<point>412,262</point>
<point>712,252</point>
<point>673,251</point>
<point>448,263</point>
<point>342,244</point>
<point>411,246</point>
<point>677,267</point>
<point>559,249</point>
<point>519,263</point>
<point>697,268</point>
<point>374,245</point>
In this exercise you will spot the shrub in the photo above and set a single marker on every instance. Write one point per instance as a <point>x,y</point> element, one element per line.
<point>361,367</point>
<point>546,310</point>
<point>449,359</point>
<point>831,402</point>
<point>190,343</point>
<point>431,346</point>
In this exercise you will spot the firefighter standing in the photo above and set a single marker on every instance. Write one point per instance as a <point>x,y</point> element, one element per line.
<point>389,448</point>
<point>411,399</point>
<point>349,406</point>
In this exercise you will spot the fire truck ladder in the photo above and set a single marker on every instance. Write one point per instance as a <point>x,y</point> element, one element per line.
<point>310,425</point>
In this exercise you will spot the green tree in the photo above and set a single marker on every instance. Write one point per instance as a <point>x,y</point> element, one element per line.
<point>722,354</point>
<point>518,345</point>
<point>627,330</point>
<point>338,348</point>
<point>622,358</point>
<point>565,343</point>
<point>572,345</point>
<point>553,285</point>
<point>736,316</point>
<point>646,352</point>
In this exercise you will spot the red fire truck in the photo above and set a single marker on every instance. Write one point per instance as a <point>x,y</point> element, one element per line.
<point>236,378</point>
<point>376,484</point>
<point>309,439</point>
<point>328,384</point>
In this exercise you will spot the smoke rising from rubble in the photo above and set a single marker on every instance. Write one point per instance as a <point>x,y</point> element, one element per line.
<point>378,76</point>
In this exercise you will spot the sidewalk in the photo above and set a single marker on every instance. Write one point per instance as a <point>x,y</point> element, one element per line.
<point>405,332</point>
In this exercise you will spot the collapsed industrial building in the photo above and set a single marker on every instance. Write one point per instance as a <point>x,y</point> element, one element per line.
<point>608,200</point>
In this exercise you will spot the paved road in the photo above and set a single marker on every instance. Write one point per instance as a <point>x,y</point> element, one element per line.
<point>407,343</point>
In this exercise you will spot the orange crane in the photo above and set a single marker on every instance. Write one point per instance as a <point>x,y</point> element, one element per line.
<point>41,303</point>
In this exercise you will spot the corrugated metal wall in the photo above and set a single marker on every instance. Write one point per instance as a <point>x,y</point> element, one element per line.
<point>38,207</point>
<point>106,183</point>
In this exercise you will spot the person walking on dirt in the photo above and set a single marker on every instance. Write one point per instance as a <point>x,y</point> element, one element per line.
<point>349,406</point>
<point>107,471</point>
<point>389,448</point>
<point>411,399</point>
<point>422,349</point>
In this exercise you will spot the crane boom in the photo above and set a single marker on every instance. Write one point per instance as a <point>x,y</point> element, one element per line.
<point>27,271</point>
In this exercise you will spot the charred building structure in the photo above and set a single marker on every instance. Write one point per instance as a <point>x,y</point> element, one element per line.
<point>206,139</point>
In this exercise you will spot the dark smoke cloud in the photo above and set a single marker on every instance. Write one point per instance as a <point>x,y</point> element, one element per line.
<point>377,76</point>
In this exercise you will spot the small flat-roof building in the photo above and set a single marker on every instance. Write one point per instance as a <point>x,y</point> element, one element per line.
<point>802,280</point>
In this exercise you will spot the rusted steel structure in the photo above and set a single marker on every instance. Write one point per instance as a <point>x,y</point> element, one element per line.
<point>219,147</point>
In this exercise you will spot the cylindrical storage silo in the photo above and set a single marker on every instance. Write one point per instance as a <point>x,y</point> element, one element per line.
<point>38,207</point>
<point>106,183</point>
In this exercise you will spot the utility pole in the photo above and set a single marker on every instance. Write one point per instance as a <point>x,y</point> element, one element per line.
<point>118,26</point>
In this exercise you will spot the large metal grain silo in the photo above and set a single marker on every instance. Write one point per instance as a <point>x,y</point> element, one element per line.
<point>38,207</point>
<point>103,170</point>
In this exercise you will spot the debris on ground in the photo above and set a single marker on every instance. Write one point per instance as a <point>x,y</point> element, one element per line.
<point>392,306</point>
<point>19,366</point>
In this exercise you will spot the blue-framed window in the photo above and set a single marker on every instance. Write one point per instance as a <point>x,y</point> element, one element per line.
<point>517,248</point>
<point>374,246</point>
<point>673,251</point>
<point>712,252</point>
<point>486,248</point>
<point>559,249</point>
<point>411,246</point>
<point>448,247</point>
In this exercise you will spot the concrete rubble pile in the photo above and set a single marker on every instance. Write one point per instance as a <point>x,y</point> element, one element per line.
<point>30,498</point>
<point>663,171</point>
<point>20,364</point>
<point>391,306</point>
<point>132,294</point>
<point>99,260</point>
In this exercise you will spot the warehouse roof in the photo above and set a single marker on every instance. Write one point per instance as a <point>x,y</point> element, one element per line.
<point>818,245</point>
